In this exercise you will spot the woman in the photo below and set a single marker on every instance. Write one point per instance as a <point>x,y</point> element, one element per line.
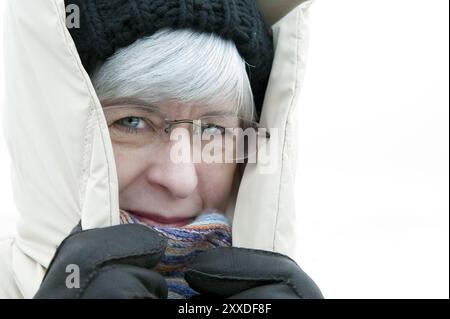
<point>199,76</point>
<point>115,171</point>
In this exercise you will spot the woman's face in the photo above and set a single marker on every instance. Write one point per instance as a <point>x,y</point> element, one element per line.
<point>160,191</point>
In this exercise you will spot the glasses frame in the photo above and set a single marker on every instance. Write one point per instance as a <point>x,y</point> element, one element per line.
<point>168,124</point>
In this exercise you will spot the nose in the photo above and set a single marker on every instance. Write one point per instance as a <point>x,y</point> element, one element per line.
<point>179,179</point>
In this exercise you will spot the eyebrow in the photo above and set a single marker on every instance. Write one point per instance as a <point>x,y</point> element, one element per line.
<point>219,113</point>
<point>131,101</point>
<point>153,108</point>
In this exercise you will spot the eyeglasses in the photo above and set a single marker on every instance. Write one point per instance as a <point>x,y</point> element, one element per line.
<point>217,138</point>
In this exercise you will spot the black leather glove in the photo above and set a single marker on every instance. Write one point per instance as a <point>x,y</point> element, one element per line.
<point>240,273</point>
<point>113,262</point>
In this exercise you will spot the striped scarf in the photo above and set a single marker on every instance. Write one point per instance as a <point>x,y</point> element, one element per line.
<point>208,231</point>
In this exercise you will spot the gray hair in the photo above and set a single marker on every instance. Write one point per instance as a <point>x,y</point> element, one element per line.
<point>183,66</point>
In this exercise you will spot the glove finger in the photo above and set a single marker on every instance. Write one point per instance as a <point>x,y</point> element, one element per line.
<point>130,244</point>
<point>84,252</point>
<point>270,291</point>
<point>227,271</point>
<point>125,282</point>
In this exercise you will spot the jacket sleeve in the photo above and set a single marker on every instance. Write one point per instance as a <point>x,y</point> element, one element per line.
<point>8,286</point>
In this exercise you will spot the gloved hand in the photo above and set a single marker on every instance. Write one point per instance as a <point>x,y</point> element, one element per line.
<point>113,262</point>
<point>238,273</point>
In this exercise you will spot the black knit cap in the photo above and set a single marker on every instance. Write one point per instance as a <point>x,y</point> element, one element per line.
<point>108,25</point>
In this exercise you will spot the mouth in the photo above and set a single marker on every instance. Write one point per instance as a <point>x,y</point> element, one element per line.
<point>153,219</point>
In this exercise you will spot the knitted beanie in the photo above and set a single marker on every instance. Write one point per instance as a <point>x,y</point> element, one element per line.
<point>108,25</point>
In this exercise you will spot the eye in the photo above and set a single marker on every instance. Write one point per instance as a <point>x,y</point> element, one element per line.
<point>132,122</point>
<point>212,129</point>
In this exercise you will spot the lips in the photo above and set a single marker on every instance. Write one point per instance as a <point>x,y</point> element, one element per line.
<point>159,220</point>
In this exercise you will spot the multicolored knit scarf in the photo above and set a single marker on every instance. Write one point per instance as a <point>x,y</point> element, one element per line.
<point>209,230</point>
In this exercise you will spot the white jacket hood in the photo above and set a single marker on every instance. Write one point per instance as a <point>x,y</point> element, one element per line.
<point>63,168</point>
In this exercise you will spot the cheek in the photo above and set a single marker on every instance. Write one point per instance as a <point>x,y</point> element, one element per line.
<point>127,169</point>
<point>215,184</point>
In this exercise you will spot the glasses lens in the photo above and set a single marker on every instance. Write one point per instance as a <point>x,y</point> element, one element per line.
<point>229,139</point>
<point>133,126</point>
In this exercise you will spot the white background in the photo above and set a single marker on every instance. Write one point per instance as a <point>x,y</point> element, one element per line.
<point>373,174</point>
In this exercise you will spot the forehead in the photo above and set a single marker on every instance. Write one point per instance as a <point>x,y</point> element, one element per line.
<point>176,110</point>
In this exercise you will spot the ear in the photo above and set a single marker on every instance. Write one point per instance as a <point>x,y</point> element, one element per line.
<point>274,11</point>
